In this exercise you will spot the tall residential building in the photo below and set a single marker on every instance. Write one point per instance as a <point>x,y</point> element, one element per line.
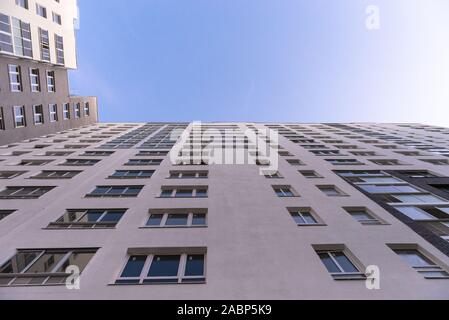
<point>227,211</point>
<point>37,48</point>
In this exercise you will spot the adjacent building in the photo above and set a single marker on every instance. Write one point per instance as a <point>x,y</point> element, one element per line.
<point>226,211</point>
<point>37,48</point>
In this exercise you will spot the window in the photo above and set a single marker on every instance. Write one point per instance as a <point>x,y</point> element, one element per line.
<point>416,198</point>
<point>389,188</point>
<point>275,175</point>
<point>80,162</point>
<point>437,162</point>
<point>89,219</point>
<point>24,192</point>
<point>165,266</point>
<point>35,80</point>
<point>15,78</point>
<point>339,265</point>
<point>38,114</point>
<point>332,191</point>
<point>152,153</point>
<point>40,267</point>
<point>177,218</point>
<point>188,174</point>
<point>27,163</point>
<point>344,162</point>
<point>51,81</point>
<point>132,174</point>
<point>441,187</point>
<point>144,162</point>
<point>77,110</point>
<point>284,191</point>
<point>387,162</point>
<point>115,191</point>
<point>86,109</point>
<point>22,38</point>
<point>10,174</point>
<point>424,213</point>
<point>2,119</point>
<point>304,217</point>
<point>295,162</point>
<point>59,45</point>
<point>6,44</point>
<point>184,192</point>
<point>417,174</point>
<point>5,213</point>
<point>44,41</point>
<point>56,174</point>
<point>57,153</point>
<point>310,174</point>
<point>22,3</point>
<point>97,153</point>
<point>66,111</point>
<point>57,18</point>
<point>53,111</point>
<point>422,264</point>
<point>41,11</point>
<point>363,216</point>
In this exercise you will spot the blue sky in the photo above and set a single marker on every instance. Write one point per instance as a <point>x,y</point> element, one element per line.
<point>261,60</point>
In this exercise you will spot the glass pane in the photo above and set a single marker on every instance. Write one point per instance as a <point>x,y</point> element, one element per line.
<point>309,218</point>
<point>133,267</point>
<point>415,213</point>
<point>164,266</point>
<point>344,262</point>
<point>46,262</point>
<point>414,258</point>
<point>199,220</point>
<point>194,265</point>
<point>177,220</point>
<point>155,220</point>
<point>328,262</point>
<point>112,217</point>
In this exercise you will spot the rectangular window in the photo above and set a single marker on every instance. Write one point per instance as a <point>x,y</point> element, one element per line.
<point>56,174</point>
<point>97,153</point>
<point>34,162</point>
<point>86,109</point>
<point>284,191</point>
<point>295,162</point>
<point>2,119</point>
<point>363,216</point>
<point>115,191</point>
<point>22,38</point>
<point>152,153</point>
<point>80,162</point>
<point>184,192</point>
<point>344,162</point>
<point>15,78</point>
<point>41,11</point>
<point>132,174</point>
<point>332,191</point>
<point>66,111</point>
<point>38,114</point>
<point>304,217</point>
<point>35,80</point>
<point>22,3</point>
<point>188,174</point>
<point>51,84</point>
<point>339,265</point>
<point>177,218</point>
<point>57,18</point>
<point>5,213</point>
<point>59,45</point>
<point>19,116</point>
<point>77,107</point>
<point>24,192</point>
<point>44,41</point>
<point>89,219</point>
<point>10,174</point>
<point>310,174</point>
<point>6,44</point>
<point>53,111</point>
<point>422,264</point>
<point>144,162</point>
<point>424,213</point>
<point>41,267</point>
<point>165,266</point>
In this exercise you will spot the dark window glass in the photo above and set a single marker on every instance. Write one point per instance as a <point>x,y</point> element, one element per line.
<point>164,266</point>
<point>194,265</point>
<point>134,267</point>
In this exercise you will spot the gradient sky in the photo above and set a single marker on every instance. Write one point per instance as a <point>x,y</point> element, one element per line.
<point>264,60</point>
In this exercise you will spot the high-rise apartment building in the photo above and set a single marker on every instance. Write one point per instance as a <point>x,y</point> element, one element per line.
<point>37,48</point>
<point>227,211</point>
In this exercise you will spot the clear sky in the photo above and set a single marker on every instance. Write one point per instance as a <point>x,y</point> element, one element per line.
<point>265,60</point>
